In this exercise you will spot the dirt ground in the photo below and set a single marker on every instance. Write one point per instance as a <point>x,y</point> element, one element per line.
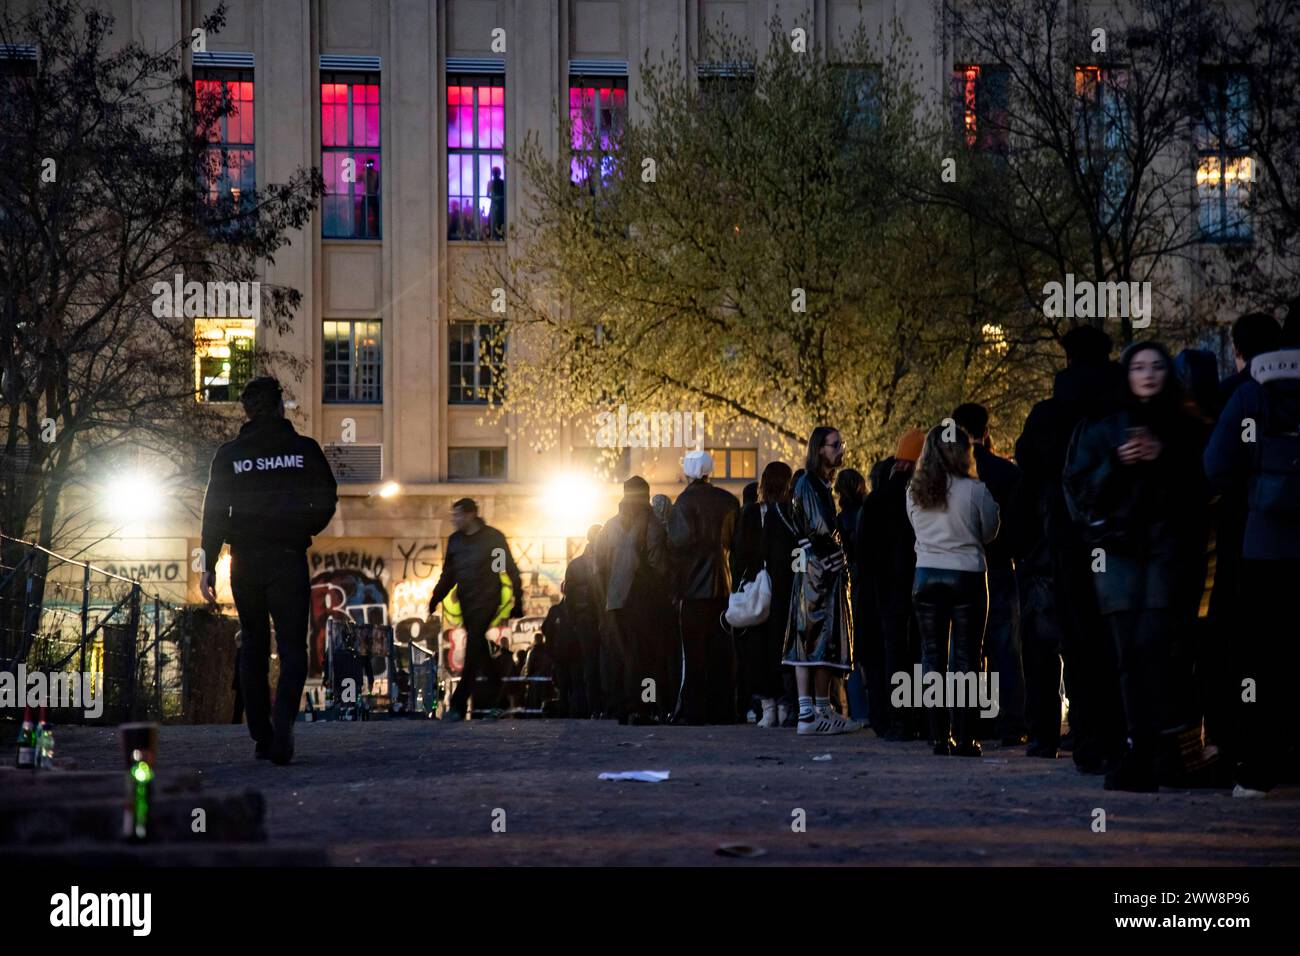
<point>422,792</point>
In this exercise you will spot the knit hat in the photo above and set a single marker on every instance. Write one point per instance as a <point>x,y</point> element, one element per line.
<point>910,445</point>
<point>697,464</point>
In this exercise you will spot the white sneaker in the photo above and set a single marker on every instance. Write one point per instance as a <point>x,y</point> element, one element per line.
<point>1239,791</point>
<point>769,714</point>
<point>825,723</point>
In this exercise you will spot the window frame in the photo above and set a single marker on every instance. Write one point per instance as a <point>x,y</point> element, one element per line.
<point>247,187</point>
<point>598,150</point>
<point>482,450</point>
<point>352,79</point>
<point>723,456</point>
<point>456,155</point>
<point>354,363</point>
<point>1211,144</point>
<point>495,364</point>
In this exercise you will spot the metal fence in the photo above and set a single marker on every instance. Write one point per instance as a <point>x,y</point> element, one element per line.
<point>69,620</point>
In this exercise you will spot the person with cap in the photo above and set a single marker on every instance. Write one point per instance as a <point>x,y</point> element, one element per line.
<point>477,555</point>
<point>700,530</point>
<point>270,490</point>
<point>886,556</point>
<point>819,628</point>
<point>631,561</point>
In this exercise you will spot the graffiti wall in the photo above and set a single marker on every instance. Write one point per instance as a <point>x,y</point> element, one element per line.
<point>390,581</point>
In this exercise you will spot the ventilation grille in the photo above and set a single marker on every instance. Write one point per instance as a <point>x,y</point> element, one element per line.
<point>598,67</point>
<point>739,68</point>
<point>224,59</point>
<point>356,463</point>
<point>475,64</point>
<point>335,61</point>
<point>17,51</point>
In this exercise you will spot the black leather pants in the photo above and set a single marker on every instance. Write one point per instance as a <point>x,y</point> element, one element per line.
<point>952,603</point>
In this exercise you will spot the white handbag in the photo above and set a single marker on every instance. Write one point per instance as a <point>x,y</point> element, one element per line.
<point>750,605</point>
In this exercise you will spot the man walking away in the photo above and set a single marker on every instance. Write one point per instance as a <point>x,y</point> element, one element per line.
<point>270,490</point>
<point>700,530</point>
<point>477,555</point>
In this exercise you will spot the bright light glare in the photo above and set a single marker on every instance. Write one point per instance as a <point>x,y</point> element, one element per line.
<point>133,497</point>
<point>389,489</point>
<point>570,504</point>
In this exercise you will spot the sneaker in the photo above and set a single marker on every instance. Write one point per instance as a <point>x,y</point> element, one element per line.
<point>1247,792</point>
<point>769,718</point>
<point>827,723</point>
<point>971,748</point>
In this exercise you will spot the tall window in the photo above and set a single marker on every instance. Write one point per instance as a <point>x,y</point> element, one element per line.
<point>349,136</point>
<point>734,462</point>
<point>1224,168</point>
<point>1103,125</point>
<point>229,171</point>
<point>223,357</point>
<point>354,361</point>
<point>473,362</point>
<point>476,142</point>
<point>470,464</point>
<point>979,100</point>
<point>861,99</point>
<point>597,116</point>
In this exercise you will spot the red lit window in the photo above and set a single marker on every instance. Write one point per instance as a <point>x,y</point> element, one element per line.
<point>980,106</point>
<point>228,171</point>
<point>349,137</point>
<point>476,140</point>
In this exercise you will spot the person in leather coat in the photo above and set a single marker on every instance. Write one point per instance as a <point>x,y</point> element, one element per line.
<point>1134,485</point>
<point>819,627</point>
<point>700,530</point>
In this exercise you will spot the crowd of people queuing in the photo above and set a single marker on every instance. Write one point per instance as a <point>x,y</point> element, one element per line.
<point>1133,555</point>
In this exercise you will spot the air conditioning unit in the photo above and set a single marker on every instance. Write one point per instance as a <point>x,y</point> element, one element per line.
<point>353,462</point>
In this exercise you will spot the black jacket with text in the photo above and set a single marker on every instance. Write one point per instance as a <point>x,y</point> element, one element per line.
<point>269,487</point>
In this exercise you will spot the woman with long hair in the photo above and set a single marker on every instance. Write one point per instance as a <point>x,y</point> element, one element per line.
<point>820,622</point>
<point>1135,486</point>
<point>954,516</point>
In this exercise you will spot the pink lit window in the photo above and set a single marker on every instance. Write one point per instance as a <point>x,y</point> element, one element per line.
<point>350,160</point>
<point>476,140</point>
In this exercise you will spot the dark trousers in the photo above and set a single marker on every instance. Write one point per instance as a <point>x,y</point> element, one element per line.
<point>587,628</point>
<point>708,691</point>
<point>902,649</point>
<point>1269,657</point>
<point>951,606</point>
<point>613,668</point>
<point>1142,653</point>
<point>1088,650</point>
<point>1041,643</point>
<point>1002,647</point>
<point>759,651</point>
<point>271,584</point>
<point>640,634</point>
<point>478,660</point>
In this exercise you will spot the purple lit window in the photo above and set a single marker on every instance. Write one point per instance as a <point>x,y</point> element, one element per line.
<point>476,140</point>
<point>349,137</point>
<point>597,115</point>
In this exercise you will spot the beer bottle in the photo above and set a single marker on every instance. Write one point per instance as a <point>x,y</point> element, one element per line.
<point>26,742</point>
<point>139,793</point>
